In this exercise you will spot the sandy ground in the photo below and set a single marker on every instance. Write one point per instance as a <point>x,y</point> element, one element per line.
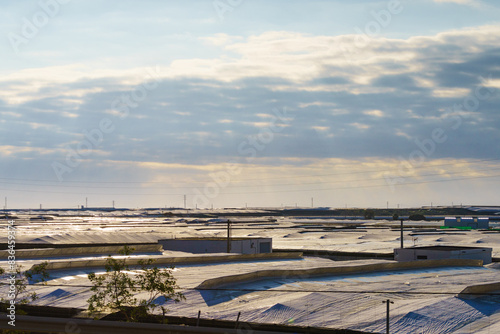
<point>424,300</point>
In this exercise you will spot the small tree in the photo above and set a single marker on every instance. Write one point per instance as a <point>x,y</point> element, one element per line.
<point>19,292</point>
<point>114,290</point>
<point>369,214</point>
<point>19,282</point>
<point>158,284</point>
<point>415,216</point>
<point>38,273</point>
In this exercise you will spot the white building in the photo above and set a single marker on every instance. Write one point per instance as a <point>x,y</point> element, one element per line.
<point>218,245</point>
<point>443,252</point>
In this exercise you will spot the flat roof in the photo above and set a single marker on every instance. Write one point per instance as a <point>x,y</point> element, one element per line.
<point>467,218</point>
<point>446,248</point>
<point>214,239</point>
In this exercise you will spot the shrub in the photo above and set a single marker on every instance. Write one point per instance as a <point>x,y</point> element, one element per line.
<point>115,290</point>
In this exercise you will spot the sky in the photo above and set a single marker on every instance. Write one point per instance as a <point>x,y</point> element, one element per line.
<point>249,103</point>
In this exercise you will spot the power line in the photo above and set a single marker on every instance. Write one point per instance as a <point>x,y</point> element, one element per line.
<point>265,191</point>
<point>299,290</point>
<point>252,185</point>
<point>243,180</point>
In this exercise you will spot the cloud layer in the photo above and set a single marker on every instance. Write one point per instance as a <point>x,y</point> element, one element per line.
<point>278,100</point>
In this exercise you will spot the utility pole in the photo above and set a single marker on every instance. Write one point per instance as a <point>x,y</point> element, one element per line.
<point>229,236</point>
<point>312,202</point>
<point>388,301</point>
<point>86,203</point>
<point>402,244</point>
<point>184,201</point>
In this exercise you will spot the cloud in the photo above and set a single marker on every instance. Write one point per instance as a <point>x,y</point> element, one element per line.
<point>350,106</point>
<point>375,112</point>
<point>220,39</point>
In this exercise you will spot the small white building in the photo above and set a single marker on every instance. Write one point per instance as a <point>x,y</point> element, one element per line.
<point>471,222</point>
<point>218,245</point>
<point>443,252</point>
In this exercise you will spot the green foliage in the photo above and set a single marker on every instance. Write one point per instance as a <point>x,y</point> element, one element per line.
<point>22,279</point>
<point>157,283</point>
<point>115,290</point>
<point>38,273</point>
<point>369,214</point>
<point>416,216</point>
<point>13,331</point>
<point>395,216</point>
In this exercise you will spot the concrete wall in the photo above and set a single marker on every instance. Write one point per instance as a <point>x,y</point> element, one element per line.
<point>473,291</point>
<point>217,245</point>
<point>164,260</point>
<point>174,325</point>
<point>194,246</point>
<point>79,251</point>
<point>327,271</point>
<point>88,326</point>
<point>414,254</point>
<point>251,246</point>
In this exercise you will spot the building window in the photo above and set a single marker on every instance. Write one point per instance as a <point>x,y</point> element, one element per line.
<point>265,247</point>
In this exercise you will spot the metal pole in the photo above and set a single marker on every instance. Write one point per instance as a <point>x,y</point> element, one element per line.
<point>388,301</point>
<point>198,320</point>
<point>237,320</point>
<point>229,236</point>
<point>387,322</point>
<point>402,244</point>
